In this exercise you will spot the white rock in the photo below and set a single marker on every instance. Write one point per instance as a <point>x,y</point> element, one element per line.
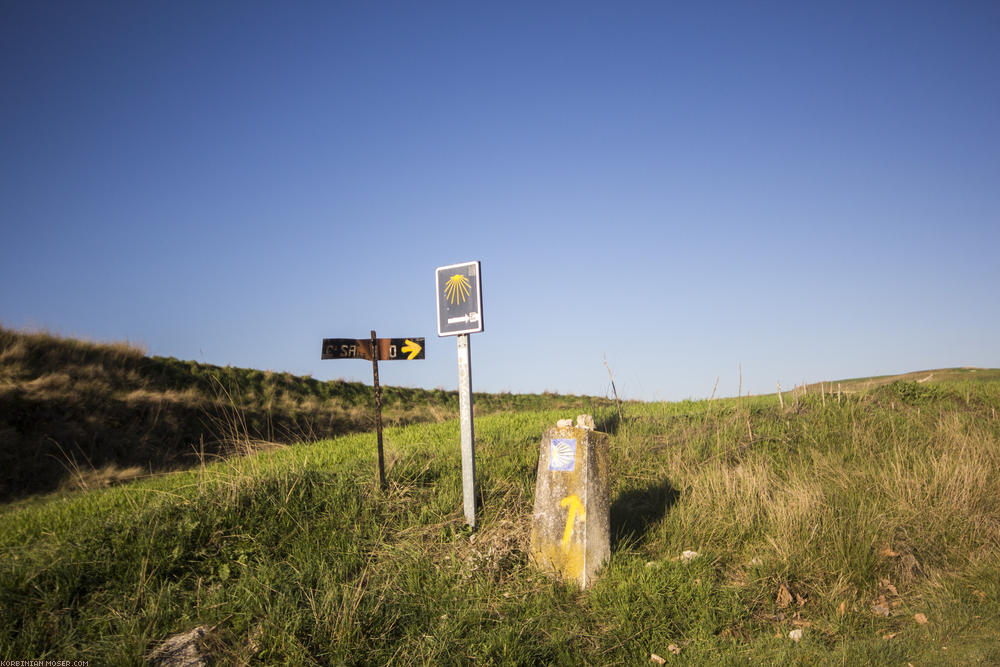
<point>687,556</point>
<point>183,650</point>
<point>564,423</point>
<point>795,635</point>
<point>585,421</point>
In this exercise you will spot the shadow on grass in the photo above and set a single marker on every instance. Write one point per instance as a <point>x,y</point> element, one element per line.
<point>635,510</point>
<point>607,421</point>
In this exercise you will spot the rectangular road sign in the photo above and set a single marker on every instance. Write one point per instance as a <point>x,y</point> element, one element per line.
<point>459,299</point>
<point>389,349</point>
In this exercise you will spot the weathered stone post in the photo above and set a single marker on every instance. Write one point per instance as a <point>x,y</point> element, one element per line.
<point>570,532</point>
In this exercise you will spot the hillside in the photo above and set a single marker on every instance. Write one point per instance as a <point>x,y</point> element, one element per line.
<point>862,529</point>
<point>81,413</point>
<point>920,377</point>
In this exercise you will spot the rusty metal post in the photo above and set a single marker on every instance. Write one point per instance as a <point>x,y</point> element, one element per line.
<point>378,413</point>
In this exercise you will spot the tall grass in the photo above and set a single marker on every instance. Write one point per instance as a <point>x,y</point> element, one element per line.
<point>844,521</point>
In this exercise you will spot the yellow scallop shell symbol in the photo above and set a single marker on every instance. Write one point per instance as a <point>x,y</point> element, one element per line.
<point>457,289</point>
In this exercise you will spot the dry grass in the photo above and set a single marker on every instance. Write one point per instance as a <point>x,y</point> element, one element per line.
<point>898,485</point>
<point>85,478</point>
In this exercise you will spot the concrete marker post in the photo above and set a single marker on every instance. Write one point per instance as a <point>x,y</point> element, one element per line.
<point>570,530</point>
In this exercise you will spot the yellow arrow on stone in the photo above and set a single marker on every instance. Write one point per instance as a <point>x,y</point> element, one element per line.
<point>575,509</point>
<point>412,348</point>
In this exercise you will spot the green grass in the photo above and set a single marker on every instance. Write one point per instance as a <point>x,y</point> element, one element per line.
<point>292,556</point>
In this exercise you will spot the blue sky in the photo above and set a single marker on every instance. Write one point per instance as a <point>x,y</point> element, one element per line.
<point>809,190</point>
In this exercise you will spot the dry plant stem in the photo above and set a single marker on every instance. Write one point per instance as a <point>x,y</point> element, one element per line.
<point>617,402</point>
<point>780,399</point>
<point>708,408</point>
<point>232,425</point>
<point>739,393</point>
<point>68,462</point>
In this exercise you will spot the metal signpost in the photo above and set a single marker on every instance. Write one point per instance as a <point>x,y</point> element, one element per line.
<point>375,350</point>
<point>460,312</point>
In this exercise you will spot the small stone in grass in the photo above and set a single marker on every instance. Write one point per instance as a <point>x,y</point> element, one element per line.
<point>784,597</point>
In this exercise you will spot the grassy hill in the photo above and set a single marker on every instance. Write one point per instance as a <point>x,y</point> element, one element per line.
<point>869,522</point>
<point>88,414</point>
<point>919,377</point>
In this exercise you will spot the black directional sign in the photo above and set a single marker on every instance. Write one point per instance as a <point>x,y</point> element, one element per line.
<point>375,349</point>
<point>389,349</point>
<point>459,299</point>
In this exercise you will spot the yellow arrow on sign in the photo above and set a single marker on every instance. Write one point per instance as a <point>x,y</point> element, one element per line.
<point>412,348</point>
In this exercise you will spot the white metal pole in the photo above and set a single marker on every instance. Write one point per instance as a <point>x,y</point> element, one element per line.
<point>468,436</point>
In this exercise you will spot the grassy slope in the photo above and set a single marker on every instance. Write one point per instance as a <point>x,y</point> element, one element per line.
<point>920,377</point>
<point>91,413</point>
<point>890,496</point>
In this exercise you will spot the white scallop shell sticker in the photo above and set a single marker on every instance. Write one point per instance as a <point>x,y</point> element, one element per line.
<point>562,454</point>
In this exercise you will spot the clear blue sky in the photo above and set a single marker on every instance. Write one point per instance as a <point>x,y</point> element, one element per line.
<point>811,190</point>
